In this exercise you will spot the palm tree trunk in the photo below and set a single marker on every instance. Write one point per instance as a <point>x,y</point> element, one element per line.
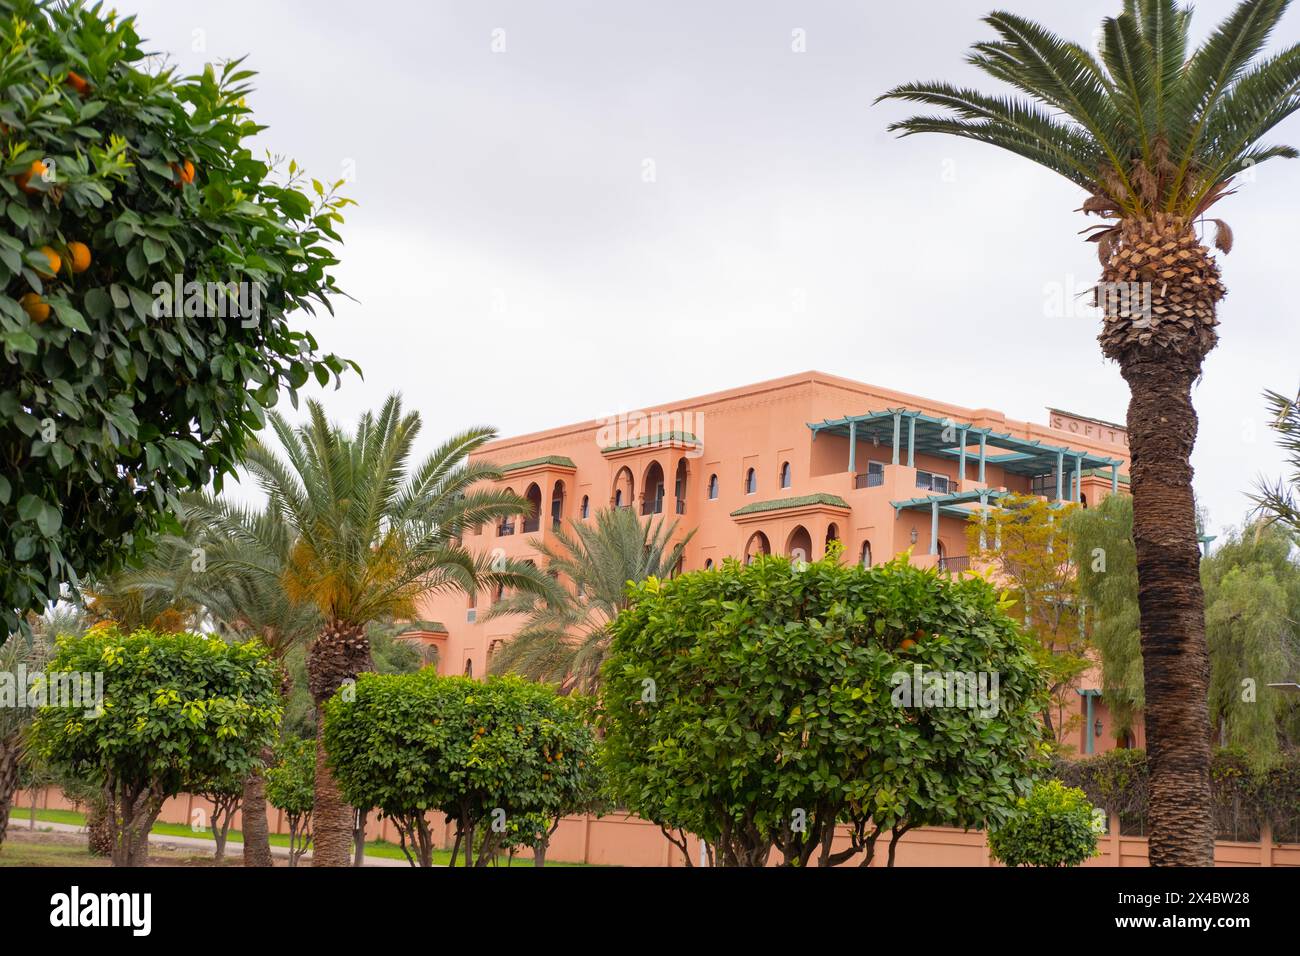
<point>257,833</point>
<point>8,779</point>
<point>339,654</point>
<point>1175,658</point>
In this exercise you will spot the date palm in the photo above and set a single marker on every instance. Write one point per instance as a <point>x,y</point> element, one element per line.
<point>373,532</point>
<point>1154,133</point>
<point>565,634</point>
<point>1280,501</point>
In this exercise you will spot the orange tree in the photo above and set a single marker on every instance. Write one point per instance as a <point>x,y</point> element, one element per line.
<point>758,706</point>
<point>120,186</point>
<point>1027,542</point>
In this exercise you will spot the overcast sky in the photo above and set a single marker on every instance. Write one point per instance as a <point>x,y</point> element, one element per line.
<point>660,200</point>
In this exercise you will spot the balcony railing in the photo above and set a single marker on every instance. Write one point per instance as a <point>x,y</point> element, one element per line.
<point>872,479</point>
<point>532,524</point>
<point>681,506</point>
<point>653,507</point>
<point>955,565</point>
<point>505,528</point>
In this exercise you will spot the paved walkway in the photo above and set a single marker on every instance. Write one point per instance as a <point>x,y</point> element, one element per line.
<point>164,840</point>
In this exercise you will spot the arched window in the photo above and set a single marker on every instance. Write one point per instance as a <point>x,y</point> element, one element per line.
<point>557,505</point>
<point>679,487</point>
<point>1083,500</point>
<point>832,534</point>
<point>785,475</point>
<point>713,487</point>
<point>708,564</point>
<point>866,554</point>
<point>799,545</point>
<point>586,506</point>
<point>500,593</point>
<point>758,544</point>
<point>751,482</point>
<point>469,667</point>
<point>653,485</point>
<point>506,525</point>
<point>533,520</point>
<point>623,488</point>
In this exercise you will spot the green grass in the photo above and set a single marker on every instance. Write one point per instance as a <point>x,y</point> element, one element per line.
<point>380,849</point>
<point>47,854</point>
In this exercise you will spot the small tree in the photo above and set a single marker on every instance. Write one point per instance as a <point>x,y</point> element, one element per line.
<point>1028,542</point>
<point>176,708</point>
<point>291,788</point>
<point>20,655</point>
<point>225,793</point>
<point>1054,825</point>
<point>483,753</point>
<point>758,706</point>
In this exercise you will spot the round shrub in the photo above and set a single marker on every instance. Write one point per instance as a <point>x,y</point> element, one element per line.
<point>1054,826</point>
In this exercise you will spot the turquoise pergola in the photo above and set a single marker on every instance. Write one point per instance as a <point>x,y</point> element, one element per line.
<point>911,432</point>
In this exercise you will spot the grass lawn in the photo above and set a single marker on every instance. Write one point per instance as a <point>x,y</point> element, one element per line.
<point>377,848</point>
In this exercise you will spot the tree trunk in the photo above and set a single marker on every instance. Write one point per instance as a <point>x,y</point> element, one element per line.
<point>99,829</point>
<point>340,652</point>
<point>257,833</point>
<point>359,838</point>
<point>1175,658</point>
<point>8,779</point>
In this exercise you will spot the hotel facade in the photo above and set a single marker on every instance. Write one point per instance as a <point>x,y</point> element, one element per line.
<point>786,466</point>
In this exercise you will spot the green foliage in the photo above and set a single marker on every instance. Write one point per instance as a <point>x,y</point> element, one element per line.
<point>178,709</point>
<point>1024,540</point>
<point>744,703</point>
<point>1054,825</point>
<point>1243,792</point>
<point>1252,604</point>
<point>291,782</point>
<point>565,634</point>
<point>1280,501</point>
<point>479,752</point>
<point>106,408</point>
<point>1106,561</point>
<point>1150,125</point>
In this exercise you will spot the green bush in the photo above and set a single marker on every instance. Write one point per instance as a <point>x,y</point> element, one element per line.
<point>291,788</point>
<point>757,706</point>
<point>177,710</point>
<point>1054,825</point>
<point>106,408</point>
<point>483,753</point>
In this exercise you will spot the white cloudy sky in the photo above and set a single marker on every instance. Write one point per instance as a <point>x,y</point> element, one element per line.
<point>506,233</point>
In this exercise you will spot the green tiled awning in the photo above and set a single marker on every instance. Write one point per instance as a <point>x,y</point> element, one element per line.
<point>782,504</point>
<point>668,438</point>
<point>559,461</point>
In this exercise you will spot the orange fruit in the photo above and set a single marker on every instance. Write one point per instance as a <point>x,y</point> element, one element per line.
<point>55,261</point>
<point>907,645</point>
<point>79,254</point>
<point>184,173</point>
<point>37,168</point>
<point>36,308</point>
<point>78,83</point>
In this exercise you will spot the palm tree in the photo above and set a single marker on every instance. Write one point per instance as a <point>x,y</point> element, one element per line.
<point>371,535</point>
<point>565,636</point>
<point>1280,501</point>
<point>1154,134</point>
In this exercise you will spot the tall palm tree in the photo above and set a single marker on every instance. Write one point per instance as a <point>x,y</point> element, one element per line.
<point>565,635</point>
<point>371,535</point>
<point>1154,133</point>
<point>230,561</point>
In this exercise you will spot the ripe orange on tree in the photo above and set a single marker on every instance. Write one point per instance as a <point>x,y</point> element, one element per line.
<point>35,307</point>
<point>55,261</point>
<point>79,256</point>
<point>37,168</point>
<point>78,82</point>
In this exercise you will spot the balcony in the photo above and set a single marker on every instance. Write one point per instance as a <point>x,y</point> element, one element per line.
<point>505,528</point>
<point>873,479</point>
<point>652,507</point>
<point>956,564</point>
<point>681,506</point>
<point>532,525</point>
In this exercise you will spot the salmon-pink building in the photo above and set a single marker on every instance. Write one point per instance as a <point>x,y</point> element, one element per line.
<point>786,466</point>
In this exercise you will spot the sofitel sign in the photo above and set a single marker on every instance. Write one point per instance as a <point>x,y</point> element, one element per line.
<point>1088,428</point>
